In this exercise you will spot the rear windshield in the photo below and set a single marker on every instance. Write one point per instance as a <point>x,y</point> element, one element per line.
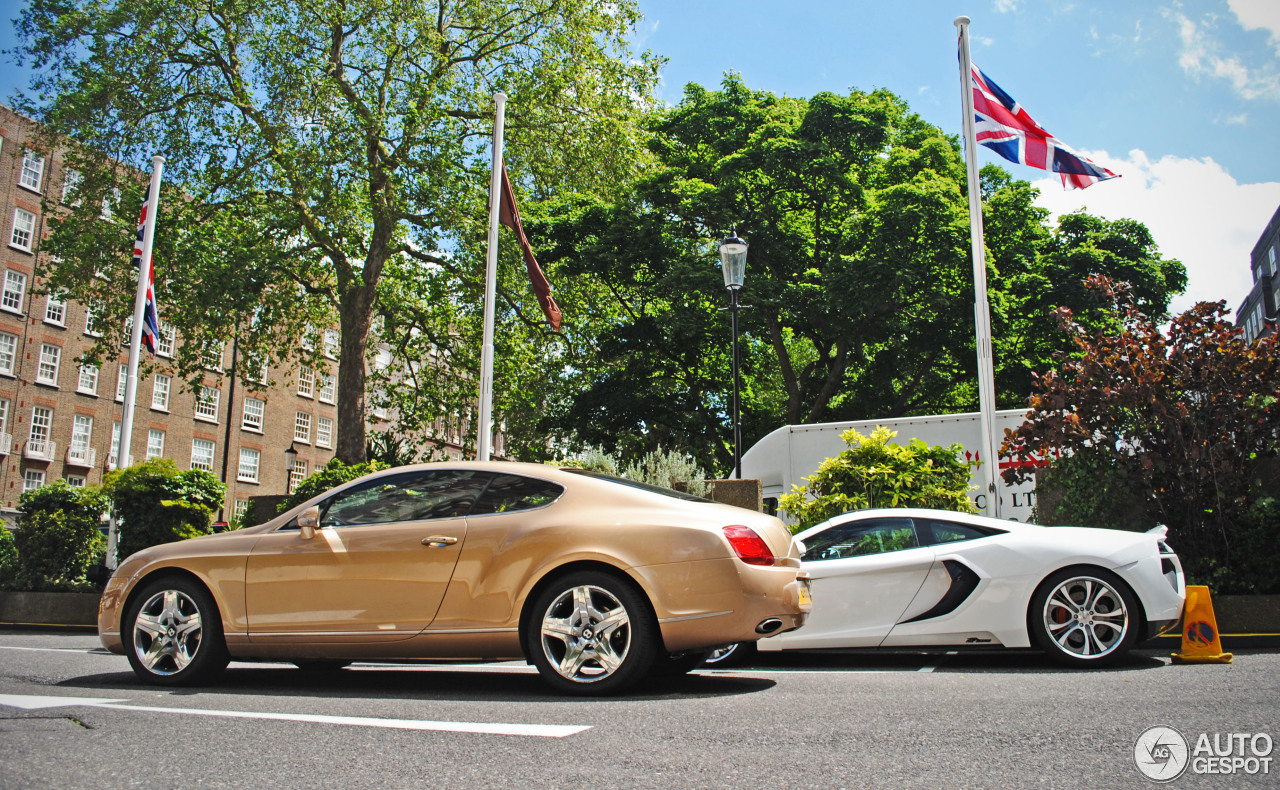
<point>636,484</point>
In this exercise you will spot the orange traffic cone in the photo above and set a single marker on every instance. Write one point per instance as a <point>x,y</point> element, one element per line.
<point>1200,642</point>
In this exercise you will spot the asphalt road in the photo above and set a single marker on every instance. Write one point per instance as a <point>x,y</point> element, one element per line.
<point>73,716</point>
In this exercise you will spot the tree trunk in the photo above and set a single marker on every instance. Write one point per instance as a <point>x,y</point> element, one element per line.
<point>355,314</point>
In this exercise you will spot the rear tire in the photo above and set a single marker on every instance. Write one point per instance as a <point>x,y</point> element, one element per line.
<point>1084,617</point>
<point>172,633</point>
<point>591,633</point>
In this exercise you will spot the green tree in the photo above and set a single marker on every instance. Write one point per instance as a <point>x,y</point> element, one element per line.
<point>59,535</point>
<point>1191,414</point>
<point>314,150</point>
<point>155,503</point>
<point>875,472</point>
<point>8,558</point>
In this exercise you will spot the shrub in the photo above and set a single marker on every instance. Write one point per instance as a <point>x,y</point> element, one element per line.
<point>8,558</point>
<point>669,469</point>
<point>155,503</point>
<point>874,472</point>
<point>59,536</point>
<point>331,475</point>
<point>1088,489</point>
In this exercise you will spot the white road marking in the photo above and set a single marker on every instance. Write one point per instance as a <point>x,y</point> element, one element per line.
<point>485,728</point>
<point>101,650</point>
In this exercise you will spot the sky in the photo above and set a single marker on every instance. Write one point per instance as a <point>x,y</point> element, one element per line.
<point>1175,96</point>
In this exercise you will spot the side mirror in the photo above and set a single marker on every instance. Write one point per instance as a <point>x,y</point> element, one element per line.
<point>309,522</point>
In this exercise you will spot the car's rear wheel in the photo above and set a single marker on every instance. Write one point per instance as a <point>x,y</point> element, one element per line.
<point>1084,617</point>
<point>591,633</point>
<point>173,633</point>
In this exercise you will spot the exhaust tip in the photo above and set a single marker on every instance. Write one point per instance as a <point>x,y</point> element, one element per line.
<point>768,626</point>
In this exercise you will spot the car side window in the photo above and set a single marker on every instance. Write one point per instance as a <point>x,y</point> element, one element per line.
<point>934,531</point>
<point>509,493</point>
<point>860,538</point>
<point>413,496</point>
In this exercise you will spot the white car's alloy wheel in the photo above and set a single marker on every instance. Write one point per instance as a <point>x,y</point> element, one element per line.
<point>1086,617</point>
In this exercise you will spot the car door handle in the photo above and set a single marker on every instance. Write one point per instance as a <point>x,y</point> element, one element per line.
<point>436,541</point>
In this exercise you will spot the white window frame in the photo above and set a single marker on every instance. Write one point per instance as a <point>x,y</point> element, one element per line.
<point>297,473</point>
<point>250,462</point>
<point>41,424</point>
<point>32,173</point>
<point>14,290</point>
<point>89,323</point>
<point>81,433</point>
<point>8,353</point>
<point>55,311</point>
<point>241,509</point>
<point>76,481</point>
<point>122,382</point>
<point>88,381</point>
<point>23,233</point>
<point>4,415</point>
<point>302,427</point>
<point>160,387</point>
<point>50,361</point>
<point>207,403</point>
<point>114,457</point>
<point>155,443</point>
<point>71,180</point>
<point>324,432</point>
<point>328,388</point>
<point>253,417</point>
<point>207,449</point>
<point>332,343</point>
<point>32,479</point>
<point>211,359</point>
<point>164,344</point>
<point>306,382</point>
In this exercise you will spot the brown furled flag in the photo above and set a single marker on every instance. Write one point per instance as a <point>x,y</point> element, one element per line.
<point>509,215</point>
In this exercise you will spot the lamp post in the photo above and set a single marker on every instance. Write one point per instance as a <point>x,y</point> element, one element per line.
<point>290,458</point>
<point>733,264</point>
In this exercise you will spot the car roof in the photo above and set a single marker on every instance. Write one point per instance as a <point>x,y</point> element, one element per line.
<point>915,512</point>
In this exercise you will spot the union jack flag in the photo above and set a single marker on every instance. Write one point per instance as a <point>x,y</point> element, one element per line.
<point>1005,127</point>
<point>150,318</point>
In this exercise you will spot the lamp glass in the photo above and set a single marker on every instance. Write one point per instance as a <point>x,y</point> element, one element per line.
<point>733,260</point>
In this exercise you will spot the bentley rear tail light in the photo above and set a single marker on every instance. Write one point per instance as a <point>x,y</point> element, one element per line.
<point>750,548</point>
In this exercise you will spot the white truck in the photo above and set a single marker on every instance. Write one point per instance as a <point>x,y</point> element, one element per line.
<point>785,457</point>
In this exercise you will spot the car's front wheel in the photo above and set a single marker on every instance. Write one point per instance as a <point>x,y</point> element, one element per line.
<point>1084,617</point>
<point>591,633</point>
<point>173,633</point>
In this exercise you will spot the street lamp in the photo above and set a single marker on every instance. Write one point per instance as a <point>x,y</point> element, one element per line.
<point>290,458</point>
<point>733,264</point>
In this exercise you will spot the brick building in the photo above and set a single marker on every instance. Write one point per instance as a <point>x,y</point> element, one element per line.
<point>1259,312</point>
<point>61,419</point>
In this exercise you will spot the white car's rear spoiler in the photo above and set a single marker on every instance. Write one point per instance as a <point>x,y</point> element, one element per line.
<point>1159,530</point>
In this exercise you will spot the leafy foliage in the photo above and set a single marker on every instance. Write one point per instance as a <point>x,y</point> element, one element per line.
<point>8,558</point>
<point>875,472</point>
<point>59,536</point>
<point>154,503</point>
<point>1088,489</point>
<point>1193,414</point>
<point>331,475</point>
<point>669,469</point>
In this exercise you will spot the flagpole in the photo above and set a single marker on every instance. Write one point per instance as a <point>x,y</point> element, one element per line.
<point>484,440</point>
<point>990,465</point>
<point>135,337</point>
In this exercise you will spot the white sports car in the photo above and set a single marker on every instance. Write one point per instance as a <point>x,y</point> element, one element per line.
<point>907,578</point>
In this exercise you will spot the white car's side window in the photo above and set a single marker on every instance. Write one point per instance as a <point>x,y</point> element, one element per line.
<point>860,538</point>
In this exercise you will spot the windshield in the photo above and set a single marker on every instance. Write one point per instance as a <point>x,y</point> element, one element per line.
<point>636,484</point>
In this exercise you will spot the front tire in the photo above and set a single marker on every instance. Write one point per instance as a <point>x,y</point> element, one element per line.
<point>591,633</point>
<point>1084,617</point>
<point>173,633</point>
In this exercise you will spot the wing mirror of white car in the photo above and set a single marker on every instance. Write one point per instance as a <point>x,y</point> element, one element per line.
<point>308,522</point>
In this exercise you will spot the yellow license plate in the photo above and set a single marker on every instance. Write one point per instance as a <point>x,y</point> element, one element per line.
<point>806,599</point>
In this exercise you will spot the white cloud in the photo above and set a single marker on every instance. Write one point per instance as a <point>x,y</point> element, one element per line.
<point>1255,14</point>
<point>1200,58</point>
<point>1196,212</point>
<point>1005,6</point>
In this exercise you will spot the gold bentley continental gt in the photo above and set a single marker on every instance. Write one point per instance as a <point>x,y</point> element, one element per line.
<point>597,581</point>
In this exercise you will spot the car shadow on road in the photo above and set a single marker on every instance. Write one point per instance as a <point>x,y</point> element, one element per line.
<point>975,661</point>
<point>428,683</point>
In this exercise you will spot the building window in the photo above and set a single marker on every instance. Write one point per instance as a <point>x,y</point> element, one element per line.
<point>71,187</point>
<point>248,469</point>
<point>32,479</point>
<point>160,392</point>
<point>324,432</point>
<point>202,454</point>
<point>155,443</point>
<point>88,383</point>
<point>211,357</point>
<point>47,371</point>
<point>81,436</point>
<point>41,419</point>
<point>251,420</point>
<point>306,382</point>
<point>76,481</point>
<point>164,344</point>
<point>55,311</point>
<point>297,474</point>
<point>32,171</point>
<point>207,404</point>
<point>331,343</point>
<point>122,382</point>
<point>114,458</point>
<point>4,415</point>
<point>15,287</point>
<point>328,389</point>
<point>24,229</point>
<point>8,352</point>
<point>241,510</point>
<point>302,427</point>
<point>90,323</point>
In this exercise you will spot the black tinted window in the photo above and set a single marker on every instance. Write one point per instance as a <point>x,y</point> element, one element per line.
<point>860,538</point>
<point>933,531</point>
<point>508,493</point>
<point>412,496</point>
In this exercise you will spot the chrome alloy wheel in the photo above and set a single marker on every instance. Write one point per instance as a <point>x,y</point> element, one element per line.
<point>167,632</point>
<point>1086,617</point>
<point>586,633</point>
